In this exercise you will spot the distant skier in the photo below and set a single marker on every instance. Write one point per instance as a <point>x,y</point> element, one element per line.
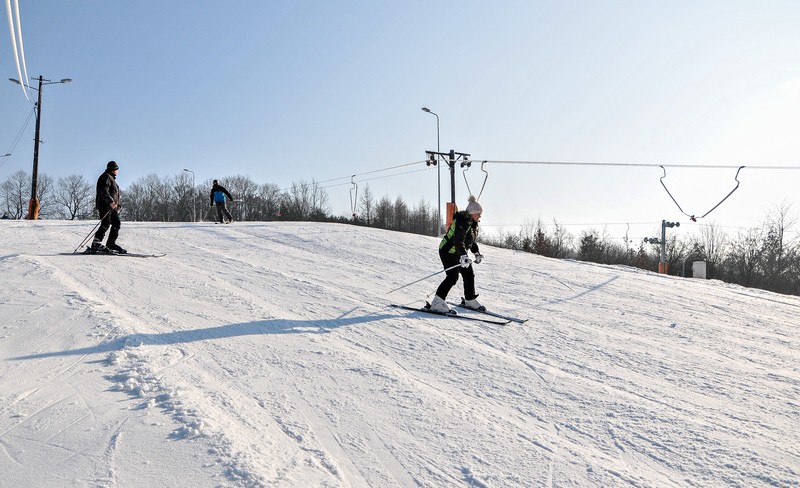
<point>107,203</point>
<point>460,237</point>
<point>218,193</point>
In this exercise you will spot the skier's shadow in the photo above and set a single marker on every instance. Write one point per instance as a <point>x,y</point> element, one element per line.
<point>260,327</point>
<point>581,294</point>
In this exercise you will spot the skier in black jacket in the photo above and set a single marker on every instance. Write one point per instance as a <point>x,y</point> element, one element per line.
<point>218,193</point>
<point>107,203</point>
<point>460,237</point>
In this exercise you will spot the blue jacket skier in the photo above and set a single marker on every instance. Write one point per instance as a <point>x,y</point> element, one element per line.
<point>218,194</point>
<point>460,237</point>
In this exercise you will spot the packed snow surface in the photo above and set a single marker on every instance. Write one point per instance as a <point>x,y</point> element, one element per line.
<point>266,354</point>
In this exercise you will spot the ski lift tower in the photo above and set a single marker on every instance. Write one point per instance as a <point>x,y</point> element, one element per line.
<point>451,158</point>
<point>662,263</point>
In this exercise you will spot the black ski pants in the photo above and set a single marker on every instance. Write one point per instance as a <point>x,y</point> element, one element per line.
<point>451,277</point>
<point>110,219</point>
<point>221,207</point>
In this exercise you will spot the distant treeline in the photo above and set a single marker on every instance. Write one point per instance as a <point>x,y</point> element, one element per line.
<point>174,199</point>
<point>767,257</point>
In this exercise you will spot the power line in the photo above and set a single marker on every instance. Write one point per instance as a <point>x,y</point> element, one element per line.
<point>550,163</point>
<point>663,167</point>
<point>373,171</point>
<point>18,137</point>
<point>643,165</point>
<point>404,165</point>
<point>608,224</point>
<point>17,46</point>
<point>380,177</point>
<point>559,224</point>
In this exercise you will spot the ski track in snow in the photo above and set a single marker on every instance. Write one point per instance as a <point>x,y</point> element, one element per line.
<point>265,354</point>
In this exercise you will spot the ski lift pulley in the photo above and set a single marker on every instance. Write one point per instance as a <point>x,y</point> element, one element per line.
<point>467,164</point>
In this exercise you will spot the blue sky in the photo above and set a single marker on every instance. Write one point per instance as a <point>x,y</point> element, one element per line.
<point>290,91</point>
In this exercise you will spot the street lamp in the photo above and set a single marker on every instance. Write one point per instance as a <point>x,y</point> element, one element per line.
<point>33,204</point>
<point>438,173</point>
<point>194,195</point>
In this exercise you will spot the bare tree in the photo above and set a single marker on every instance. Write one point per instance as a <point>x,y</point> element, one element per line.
<point>422,220</point>
<point>185,198</point>
<point>245,192</point>
<point>401,214</point>
<point>677,252</point>
<point>743,258</point>
<point>319,200</point>
<point>776,251</point>
<point>533,238</point>
<point>163,198</point>
<point>591,246</point>
<point>76,196</point>
<point>712,245</point>
<point>562,241</point>
<point>307,200</point>
<point>46,189</point>
<point>148,198</point>
<point>269,195</point>
<point>367,205</point>
<point>14,194</point>
<point>384,214</point>
<point>135,203</point>
<point>299,201</point>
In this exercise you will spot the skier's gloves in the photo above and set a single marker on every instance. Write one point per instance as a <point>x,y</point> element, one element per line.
<point>465,261</point>
<point>478,258</point>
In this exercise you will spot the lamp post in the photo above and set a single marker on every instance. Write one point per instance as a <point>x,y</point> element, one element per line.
<point>438,174</point>
<point>33,204</point>
<point>194,195</point>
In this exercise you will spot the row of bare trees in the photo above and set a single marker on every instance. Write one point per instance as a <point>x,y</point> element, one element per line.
<point>175,199</point>
<point>395,214</point>
<point>766,257</point>
<point>165,199</point>
<point>67,198</point>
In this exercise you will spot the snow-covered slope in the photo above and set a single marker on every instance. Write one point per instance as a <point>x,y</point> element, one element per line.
<point>265,354</point>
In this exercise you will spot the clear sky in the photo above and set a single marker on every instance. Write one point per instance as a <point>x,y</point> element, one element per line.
<point>285,92</point>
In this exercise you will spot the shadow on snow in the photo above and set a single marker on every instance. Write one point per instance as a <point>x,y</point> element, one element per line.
<point>261,327</point>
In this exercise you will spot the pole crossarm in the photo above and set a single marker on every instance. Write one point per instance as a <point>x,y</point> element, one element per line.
<point>451,158</point>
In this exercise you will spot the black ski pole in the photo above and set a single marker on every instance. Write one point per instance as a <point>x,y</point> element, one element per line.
<point>86,239</point>
<point>424,278</point>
